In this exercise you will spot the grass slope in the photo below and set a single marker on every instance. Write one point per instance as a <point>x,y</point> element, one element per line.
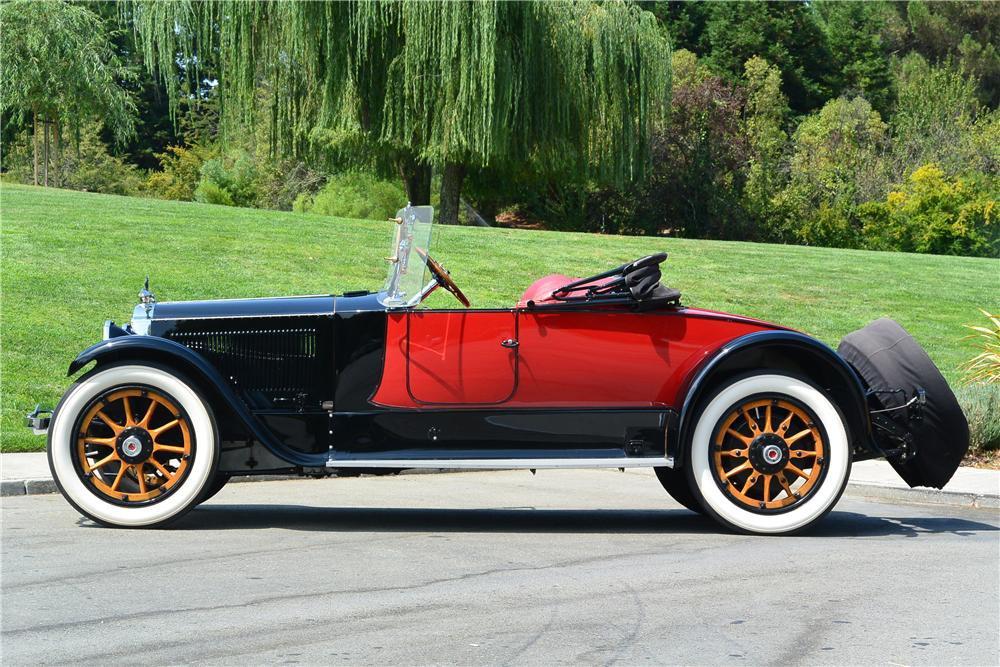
<point>71,260</point>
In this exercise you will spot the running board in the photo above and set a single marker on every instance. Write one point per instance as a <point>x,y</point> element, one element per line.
<point>505,464</point>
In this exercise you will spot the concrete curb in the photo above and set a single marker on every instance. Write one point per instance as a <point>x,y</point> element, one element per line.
<point>921,496</point>
<point>866,490</point>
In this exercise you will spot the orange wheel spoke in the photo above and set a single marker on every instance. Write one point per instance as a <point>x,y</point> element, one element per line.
<point>791,440</point>
<point>751,422</point>
<point>112,424</point>
<point>801,454</point>
<point>107,442</point>
<point>751,480</point>
<point>795,470</point>
<point>149,413</point>
<point>784,484</point>
<point>767,488</point>
<point>118,477</point>
<point>738,469</point>
<point>739,453</point>
<point>127,408</point>
<point>767,419</point>
<point>745,439</point>
<point>162,468</point>
<point>103,462</point>
<point>783,426</point>
<point>140,477</point>
<point>169,448</point>
<point>155,433</point>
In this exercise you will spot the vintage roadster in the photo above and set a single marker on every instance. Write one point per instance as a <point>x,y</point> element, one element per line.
<point>751,423</point>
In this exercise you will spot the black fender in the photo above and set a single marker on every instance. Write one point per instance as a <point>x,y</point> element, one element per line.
<point>789,351</point>
<point>217,390</point>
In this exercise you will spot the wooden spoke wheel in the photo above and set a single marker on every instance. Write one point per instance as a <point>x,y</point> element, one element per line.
<point>133,445</point>
<point>768,454</point>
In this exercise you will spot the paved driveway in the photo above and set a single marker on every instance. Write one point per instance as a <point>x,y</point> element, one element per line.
<point>495,568</point>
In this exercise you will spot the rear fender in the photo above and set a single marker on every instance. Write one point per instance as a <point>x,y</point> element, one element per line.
<point>788,351</point>
<point>236,420</point>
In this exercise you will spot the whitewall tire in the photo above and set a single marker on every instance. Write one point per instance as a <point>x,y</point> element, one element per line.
<point>132,445</point>
<point>770,454</point>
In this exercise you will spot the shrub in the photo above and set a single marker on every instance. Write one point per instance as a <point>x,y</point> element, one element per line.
<point>985,366</point>
<point>981,405</point>
<point>210,192</point>
<point>181,172</point>
<point>931,213</point>
<point>280,183</point>
<point>228,179</point>
<point>354,195</point>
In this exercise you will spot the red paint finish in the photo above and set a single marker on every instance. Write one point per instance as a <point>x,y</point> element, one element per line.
<point>610,358</point>
<point>456,356</point>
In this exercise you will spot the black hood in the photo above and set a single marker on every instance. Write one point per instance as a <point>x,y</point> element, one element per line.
<point>267,307</point>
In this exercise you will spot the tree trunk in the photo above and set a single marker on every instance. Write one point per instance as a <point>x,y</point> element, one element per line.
<point>45,154</point>
<point>451,190</point>
<point>34,142</point>
<point>416,180</point>
<point>58,180</point>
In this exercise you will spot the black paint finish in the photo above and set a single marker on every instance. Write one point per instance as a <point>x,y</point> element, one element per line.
<point>428,434</point>
<point>244,308</point>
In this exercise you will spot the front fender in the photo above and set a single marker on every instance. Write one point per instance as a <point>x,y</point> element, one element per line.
<point>790,351</point>
<point>174,355</point>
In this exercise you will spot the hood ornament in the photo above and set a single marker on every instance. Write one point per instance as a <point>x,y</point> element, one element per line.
<point>146,297</point>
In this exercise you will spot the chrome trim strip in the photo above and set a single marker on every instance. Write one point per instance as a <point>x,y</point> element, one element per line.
<point>250,298</point>
<point>329,313</point>
<point>505,464</point>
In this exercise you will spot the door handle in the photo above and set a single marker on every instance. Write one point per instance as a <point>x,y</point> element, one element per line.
<point>509,343</point>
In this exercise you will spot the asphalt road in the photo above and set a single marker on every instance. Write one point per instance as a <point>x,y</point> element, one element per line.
<point>495,568</point>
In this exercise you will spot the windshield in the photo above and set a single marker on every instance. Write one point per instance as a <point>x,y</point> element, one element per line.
<point>408,273</point>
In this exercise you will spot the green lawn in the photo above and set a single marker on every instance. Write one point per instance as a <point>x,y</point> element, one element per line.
<point>71,260</point>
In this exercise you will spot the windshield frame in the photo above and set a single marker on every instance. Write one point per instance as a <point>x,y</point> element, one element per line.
<point>408,281</point>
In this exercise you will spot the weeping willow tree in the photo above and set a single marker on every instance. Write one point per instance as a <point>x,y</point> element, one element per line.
<point>449,86</point>
<point>59,69</point>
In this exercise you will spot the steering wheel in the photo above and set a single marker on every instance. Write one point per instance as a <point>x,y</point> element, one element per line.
<point>442,277</point>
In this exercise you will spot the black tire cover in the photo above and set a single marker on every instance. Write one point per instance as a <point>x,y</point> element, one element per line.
<point>886,357</point>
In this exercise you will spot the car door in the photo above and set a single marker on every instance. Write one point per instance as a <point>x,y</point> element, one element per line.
<point>461,357</point>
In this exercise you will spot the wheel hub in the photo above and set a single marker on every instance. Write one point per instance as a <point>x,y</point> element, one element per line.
<point>768,453</point>
<point>134,445</point>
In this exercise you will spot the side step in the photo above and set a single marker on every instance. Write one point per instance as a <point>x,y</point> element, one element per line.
<point>506,464</point>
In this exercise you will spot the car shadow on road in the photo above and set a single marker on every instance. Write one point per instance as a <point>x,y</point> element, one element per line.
<point>530,520</point>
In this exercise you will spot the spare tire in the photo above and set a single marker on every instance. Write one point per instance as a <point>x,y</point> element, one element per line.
<point>886,358</point>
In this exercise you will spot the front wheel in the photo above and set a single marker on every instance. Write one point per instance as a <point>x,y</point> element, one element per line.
<point>132,445</point>
<point>770,454</point>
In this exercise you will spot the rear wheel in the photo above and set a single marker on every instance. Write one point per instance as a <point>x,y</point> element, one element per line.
<point>132,445</point>
<point>770,454</point>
